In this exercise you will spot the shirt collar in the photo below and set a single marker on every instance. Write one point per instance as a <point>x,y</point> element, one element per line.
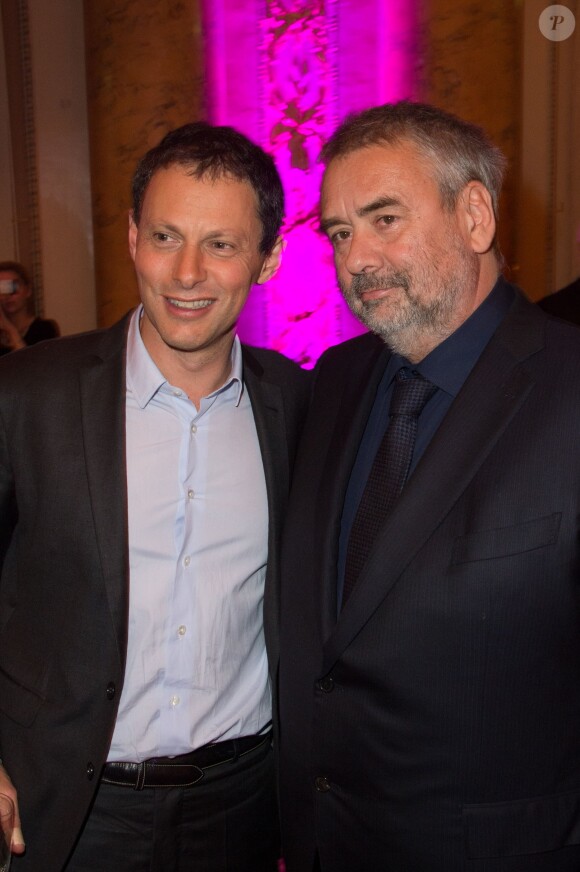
<point>144,378</point>
<point>449,364</point>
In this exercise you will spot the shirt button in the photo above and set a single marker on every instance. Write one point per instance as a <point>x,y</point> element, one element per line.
<point>193,429</point>
<point>174,701</point>
<point>90,771</point>
<point>182,630</point>
<point>186,561</point>
<point>176,393</point>
<point>111,690</point>
<point>322,784</point>
<point>190,494</point>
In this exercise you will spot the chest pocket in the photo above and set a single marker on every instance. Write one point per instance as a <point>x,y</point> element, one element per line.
<point>505,541</point>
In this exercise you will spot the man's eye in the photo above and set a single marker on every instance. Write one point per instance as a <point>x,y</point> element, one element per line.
<point>222,246</point>
<point>161,237</point>
<point>339,236</point>
<point>387,219</point>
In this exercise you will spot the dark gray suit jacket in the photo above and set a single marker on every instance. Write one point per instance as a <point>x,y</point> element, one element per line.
<point>64,583</point>
<point>435,726</point>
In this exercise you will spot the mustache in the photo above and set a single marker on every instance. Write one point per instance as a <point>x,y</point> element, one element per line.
<point>376,281</point>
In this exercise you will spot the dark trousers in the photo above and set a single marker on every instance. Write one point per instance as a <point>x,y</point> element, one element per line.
<point>228,822</point>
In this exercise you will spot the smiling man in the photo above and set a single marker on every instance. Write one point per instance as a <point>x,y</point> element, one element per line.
<point>143,479</point>
<point>430,639</point>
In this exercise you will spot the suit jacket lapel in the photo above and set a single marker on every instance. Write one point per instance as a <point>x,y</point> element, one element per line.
<point>102,392</point>
<point>268,409</point>
<point>351,418</point>
<point>491,396</point>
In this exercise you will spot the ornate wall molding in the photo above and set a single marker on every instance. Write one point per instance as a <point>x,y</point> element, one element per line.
<point>15,21</point>
<point>548,225</point>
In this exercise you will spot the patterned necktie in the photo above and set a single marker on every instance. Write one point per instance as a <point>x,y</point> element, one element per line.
<point>388,472</point>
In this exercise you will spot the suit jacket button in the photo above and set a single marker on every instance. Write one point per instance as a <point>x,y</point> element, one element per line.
<point>111,690</point>
<point>90,771</point>
<point>322,784</point>
<point>326,684</point>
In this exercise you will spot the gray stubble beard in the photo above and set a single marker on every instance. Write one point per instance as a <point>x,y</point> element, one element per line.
<point>418,323</point>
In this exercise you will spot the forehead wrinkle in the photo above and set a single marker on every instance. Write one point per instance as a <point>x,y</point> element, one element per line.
<point>162,224</point>
<point>376,205</point>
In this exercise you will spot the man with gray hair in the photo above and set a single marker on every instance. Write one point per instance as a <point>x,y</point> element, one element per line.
<point>430,644</point>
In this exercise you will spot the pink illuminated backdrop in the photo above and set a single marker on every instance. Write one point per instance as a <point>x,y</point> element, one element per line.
<point>285,73</point>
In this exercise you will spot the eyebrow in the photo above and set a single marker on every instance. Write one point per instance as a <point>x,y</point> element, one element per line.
<point>379,203</point>
<point>374,206</point>
<point>162,226</point>
<point>166,226</point>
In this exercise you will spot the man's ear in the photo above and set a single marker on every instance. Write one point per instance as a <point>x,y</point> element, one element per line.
<point>132,235</point>
<point>272,262</point>
<point>476,209</point>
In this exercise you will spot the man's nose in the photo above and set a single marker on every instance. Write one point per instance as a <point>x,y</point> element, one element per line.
<point>364,253</point>
<point>189,267</point>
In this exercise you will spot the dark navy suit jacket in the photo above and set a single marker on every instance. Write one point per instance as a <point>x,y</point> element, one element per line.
<point>64,582</point>
<point>435,726</point>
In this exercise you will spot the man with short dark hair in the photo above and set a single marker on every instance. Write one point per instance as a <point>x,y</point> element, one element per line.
<point>144,472</point>
<point>430,639</point>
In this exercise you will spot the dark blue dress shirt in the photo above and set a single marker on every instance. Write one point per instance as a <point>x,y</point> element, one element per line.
<point>447,366</point>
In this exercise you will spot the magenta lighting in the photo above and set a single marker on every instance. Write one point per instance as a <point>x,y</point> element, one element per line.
<point>285,73</point>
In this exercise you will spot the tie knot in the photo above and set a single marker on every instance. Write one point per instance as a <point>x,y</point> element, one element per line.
<point>410,394</point>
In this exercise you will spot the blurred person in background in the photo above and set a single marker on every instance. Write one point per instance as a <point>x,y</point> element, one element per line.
<point>19,326</point>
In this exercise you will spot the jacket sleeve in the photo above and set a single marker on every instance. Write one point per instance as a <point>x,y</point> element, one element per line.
<point>8,511</point>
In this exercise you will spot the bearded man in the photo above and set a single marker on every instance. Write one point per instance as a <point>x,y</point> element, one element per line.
<point>430,665</point>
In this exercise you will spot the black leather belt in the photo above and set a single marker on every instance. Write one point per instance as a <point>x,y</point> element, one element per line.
<point>184,770</point>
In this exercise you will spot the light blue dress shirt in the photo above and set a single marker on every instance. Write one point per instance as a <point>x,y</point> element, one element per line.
<point>198,524</point>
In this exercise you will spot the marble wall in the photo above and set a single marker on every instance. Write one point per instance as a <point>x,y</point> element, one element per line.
<point>486,62</point>
<point>144,77</point>
<point>470,65</point>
